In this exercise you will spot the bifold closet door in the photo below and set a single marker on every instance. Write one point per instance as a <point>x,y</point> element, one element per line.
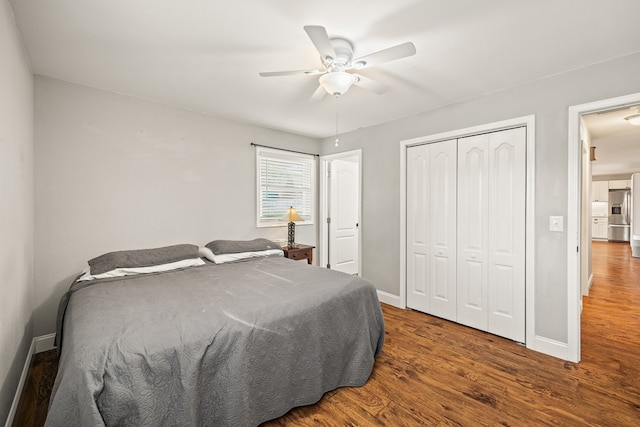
<point>431,228</point>
<point>491,232</point>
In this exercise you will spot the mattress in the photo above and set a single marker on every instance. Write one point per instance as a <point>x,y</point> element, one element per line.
<point>233,344</point>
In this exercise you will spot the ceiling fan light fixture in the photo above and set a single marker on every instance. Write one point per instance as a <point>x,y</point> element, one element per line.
<point>634,119</point>
<point>337,83</point>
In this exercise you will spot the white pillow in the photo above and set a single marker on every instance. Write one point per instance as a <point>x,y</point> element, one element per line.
<point>222,258</point>
<point>132,271</point>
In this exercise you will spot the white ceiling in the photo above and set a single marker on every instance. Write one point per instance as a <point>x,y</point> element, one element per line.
<point>205,55</point>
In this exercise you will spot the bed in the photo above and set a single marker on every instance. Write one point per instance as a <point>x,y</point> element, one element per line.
<point>234,343</point>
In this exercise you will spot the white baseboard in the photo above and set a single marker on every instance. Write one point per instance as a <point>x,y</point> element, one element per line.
<point>44,342</point>
<point>388,298</point>
<point>23,379</point>
<point>38,345</point>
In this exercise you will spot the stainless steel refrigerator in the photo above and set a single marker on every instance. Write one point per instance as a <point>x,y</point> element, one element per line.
<point>619,215</point>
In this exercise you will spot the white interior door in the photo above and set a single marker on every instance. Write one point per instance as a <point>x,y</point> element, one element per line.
<point>491,232</point>
<point>473,222</point>
<point>506,274</point>
<point>418,230</point>
<point>344,213</point>
<point>431,228</point>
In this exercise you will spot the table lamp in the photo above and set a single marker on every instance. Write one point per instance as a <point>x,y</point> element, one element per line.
<point>292,216</point>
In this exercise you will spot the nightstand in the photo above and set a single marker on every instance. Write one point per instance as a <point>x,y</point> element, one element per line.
<point>299,252</point>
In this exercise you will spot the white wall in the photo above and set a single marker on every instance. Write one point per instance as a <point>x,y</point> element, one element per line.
<point>16,211</point>
<point>549,100</point>
<point>115,172</point>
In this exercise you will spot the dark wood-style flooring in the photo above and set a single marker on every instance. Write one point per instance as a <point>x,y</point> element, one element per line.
<point>437,373</point>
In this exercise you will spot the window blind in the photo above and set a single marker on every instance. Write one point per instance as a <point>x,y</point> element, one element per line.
<point>284,179</point>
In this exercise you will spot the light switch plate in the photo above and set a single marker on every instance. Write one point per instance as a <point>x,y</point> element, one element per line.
<point>556,223</point>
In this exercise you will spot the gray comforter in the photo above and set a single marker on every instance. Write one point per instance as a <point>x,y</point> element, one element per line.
<point>217,345</point>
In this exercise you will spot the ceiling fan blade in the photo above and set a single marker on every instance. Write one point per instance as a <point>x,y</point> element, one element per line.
<point>369,84</point>
<point>392,53</point>
<point>318,94</point>
<point>291,73</point>
<point>320,39</point>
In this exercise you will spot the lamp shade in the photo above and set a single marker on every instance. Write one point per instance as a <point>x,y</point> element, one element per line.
<point>337,82</point>
<point>292,215</point>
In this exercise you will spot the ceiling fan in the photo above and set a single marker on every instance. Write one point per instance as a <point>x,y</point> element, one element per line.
<point>336,54</point>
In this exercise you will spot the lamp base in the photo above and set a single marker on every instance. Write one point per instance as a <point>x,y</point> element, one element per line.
<point>291,234</point>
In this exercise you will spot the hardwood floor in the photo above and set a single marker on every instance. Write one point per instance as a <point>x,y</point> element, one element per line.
<point>437,373</point>
<point>32,409</point>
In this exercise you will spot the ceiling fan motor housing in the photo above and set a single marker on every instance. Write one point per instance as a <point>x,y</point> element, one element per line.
<point>344,55</point>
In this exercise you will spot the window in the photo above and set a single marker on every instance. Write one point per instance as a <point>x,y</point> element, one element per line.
<point>284,179</point>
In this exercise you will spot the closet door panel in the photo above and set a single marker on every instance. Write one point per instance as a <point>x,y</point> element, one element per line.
<point>474,294</point>
<point>506,275</point>
<point>431,228</point>
<point>443,229</point>
<point>418,230</point>
<point>472,231</point>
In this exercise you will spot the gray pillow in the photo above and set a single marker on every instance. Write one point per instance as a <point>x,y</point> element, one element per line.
<point>142,258</point>
<point>219,247</point>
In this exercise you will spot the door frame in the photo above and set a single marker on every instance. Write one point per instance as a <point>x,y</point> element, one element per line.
<point>323,229</point>
<point>529,123</point>
<point>574,212</point>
